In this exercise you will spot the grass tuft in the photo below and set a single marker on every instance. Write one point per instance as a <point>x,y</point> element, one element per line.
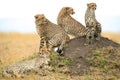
<point>59,63</point>
<point>35,54</point>
<point>56,60</point>
<point>105,58</point>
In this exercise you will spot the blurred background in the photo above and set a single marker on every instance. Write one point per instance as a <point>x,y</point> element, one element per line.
<point>18,37</point>
<point>18,15</point>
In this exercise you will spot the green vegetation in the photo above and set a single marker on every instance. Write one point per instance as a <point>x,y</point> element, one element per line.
<point>59,63</point>
<point>87,78</point>
<point>106,59</point>
<point>31,56</point>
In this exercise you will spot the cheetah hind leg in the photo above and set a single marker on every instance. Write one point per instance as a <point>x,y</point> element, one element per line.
<point>59,51</point>
<point>97,36</point>
<point>60,48</point>
<point>50,48</point>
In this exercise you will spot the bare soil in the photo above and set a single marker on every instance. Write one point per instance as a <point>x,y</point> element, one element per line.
<point>78,52</point>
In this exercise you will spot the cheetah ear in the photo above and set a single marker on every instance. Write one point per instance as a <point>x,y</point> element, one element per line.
<point>87,4</point>
<point>67,8</point>
<point>95,5</point>
<point>36,16</point>
<point>43,15</point>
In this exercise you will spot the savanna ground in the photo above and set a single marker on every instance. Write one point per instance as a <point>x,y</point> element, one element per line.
<point>105,64</point>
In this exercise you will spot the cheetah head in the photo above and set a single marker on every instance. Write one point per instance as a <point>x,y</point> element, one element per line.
<point>92,6</point>
<point>68,10</point>
<point>40,19</point>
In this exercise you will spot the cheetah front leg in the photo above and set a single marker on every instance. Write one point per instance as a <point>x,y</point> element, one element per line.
<point>87,40</point>
<point>92,39</point>
<point>88,37</point>
<point>42,44</point>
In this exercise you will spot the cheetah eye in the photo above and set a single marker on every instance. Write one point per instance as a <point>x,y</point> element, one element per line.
<point>72,10</point>
<point>42,17</point>
<point>67,8</point>
<point>94,5</point>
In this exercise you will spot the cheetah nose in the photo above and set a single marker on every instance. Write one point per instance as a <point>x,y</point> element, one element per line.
<point>73,12</point>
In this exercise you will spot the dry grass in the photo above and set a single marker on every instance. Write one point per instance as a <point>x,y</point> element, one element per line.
<point>113,36</point>
<point>16,46</point>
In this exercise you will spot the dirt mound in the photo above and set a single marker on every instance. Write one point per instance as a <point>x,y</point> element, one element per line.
<point>76,46</point>
<point>78,52</point>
